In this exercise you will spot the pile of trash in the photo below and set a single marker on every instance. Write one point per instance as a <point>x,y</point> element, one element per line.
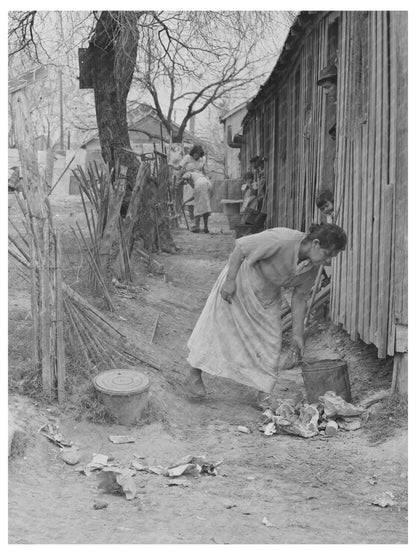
<point>328,416</point>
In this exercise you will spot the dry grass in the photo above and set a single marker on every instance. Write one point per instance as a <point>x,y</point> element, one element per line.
<point>19,444</point>
<point>391,415</point>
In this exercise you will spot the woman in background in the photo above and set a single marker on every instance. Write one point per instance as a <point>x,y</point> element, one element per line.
<point>192,162</point>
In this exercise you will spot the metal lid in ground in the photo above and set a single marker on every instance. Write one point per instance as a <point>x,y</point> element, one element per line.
<point>121,382</point>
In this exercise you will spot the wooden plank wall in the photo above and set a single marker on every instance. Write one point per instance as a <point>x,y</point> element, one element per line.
<point>289,129</point>
<point>399,177</point>
<point>369,280</point>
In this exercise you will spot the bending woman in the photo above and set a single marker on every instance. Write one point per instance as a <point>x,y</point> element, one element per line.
<point>202,192</point>
<point>192,162</point>
<point>238,334</point>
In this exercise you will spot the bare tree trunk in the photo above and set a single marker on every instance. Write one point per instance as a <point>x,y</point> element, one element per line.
<point>112,57</point>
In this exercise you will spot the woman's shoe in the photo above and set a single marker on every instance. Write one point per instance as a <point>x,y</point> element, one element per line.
<point>195,382</point>
<point>206,230</point>
<point>195,229</point>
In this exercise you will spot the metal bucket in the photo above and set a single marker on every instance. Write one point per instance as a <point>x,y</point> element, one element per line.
<point>124,393</point>
<point>241,230</point>
<point>233,220</point>
<point>321,376</point>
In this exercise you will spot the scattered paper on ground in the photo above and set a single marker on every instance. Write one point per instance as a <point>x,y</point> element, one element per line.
<point>385,500</point>
<point>98,462</point>
<point>121,439</point>
<point>113,479</point>
<point>267,523</point>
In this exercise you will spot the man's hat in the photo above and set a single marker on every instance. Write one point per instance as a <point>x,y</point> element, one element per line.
<point>328,73</point>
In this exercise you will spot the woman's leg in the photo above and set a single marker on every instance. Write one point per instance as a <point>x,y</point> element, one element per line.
<point>195,382</point>
<point>206,216</point>
<point>191,211</point>
<point>195,227</point>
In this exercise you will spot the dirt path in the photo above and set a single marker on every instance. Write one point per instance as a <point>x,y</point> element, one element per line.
<point>312,491</point>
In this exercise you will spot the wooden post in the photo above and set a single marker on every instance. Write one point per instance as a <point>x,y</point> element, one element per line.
<point>399,382</point>
<point>60,345</point>
<point>36,362</point>
<point>34,191</point>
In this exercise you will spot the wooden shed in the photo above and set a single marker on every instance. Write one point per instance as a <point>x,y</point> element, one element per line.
<point>364,162</point>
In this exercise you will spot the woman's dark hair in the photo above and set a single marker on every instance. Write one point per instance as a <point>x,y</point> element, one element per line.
<point>323,197</point>
<point>249,175</point>
<point>330,236</point>
<point>197,149</point>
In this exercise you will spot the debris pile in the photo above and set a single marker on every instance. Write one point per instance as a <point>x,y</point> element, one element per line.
<point>328,416</point>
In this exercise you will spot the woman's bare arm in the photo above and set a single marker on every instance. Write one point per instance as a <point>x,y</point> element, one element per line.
<point>229,287</point>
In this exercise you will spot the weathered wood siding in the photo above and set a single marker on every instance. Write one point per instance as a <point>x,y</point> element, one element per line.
<point>370,278</point>
<point>366,165</point>
<point>288,127</point>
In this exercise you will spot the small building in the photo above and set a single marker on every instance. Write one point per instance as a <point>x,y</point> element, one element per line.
<point>232,122</point>
<point>145,131</point>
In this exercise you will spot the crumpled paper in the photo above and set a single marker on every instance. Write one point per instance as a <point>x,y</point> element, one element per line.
<point>334,405</point>
<point>98,463</point>
<point>305,424</point>
<point>385,500</point>
<point>307,420</point>
<point>114,479</point>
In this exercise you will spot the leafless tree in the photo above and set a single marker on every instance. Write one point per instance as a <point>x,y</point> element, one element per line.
<point>195,59</point>
<point>184,58</point>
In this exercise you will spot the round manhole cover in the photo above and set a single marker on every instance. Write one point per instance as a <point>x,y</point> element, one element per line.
<point>121,382</point>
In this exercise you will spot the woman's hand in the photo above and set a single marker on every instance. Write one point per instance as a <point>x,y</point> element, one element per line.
<point>298,347</point>
<point>228,290</point>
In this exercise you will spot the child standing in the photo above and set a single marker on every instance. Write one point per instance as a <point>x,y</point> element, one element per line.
<point>249,192</point>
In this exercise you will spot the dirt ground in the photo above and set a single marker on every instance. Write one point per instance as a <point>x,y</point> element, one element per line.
<point>312,491</point>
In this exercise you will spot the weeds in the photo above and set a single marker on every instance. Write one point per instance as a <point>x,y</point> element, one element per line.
<point>391,415</point>
<point>19,444</point>
<point>90,406</point>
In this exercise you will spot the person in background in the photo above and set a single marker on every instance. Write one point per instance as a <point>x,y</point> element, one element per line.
<point>325,203</point>
<point>238,334</point>
<point>249,192</point>
<point>192,162</point>
<point>202,193</point>
<point>260,174</point>
<point>328,81</point>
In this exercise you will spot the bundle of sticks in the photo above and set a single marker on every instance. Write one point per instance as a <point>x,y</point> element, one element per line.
<point>90,331</point>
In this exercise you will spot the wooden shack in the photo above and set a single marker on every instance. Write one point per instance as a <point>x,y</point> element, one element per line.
<point>364,162</point>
